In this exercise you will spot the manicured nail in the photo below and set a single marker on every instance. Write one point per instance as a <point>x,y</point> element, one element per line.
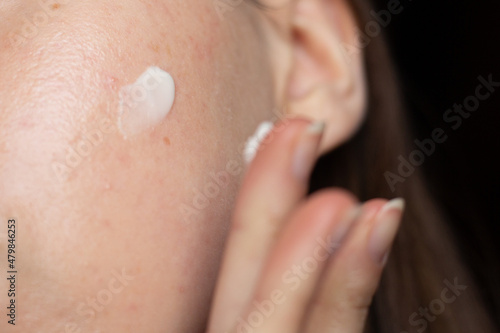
<point>337,236</point>
<point>346,223</point>
<point>254,142</point>
<point>385,229</point>
<point>306,150</point>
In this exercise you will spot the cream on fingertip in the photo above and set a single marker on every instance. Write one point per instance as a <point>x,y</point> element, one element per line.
<point>254,142</point>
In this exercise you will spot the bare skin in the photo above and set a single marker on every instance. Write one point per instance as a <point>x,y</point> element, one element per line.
<point>116,239</point>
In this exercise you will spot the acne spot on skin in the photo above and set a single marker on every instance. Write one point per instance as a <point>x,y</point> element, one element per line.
<point>166,140</point>
<point>56,6</point>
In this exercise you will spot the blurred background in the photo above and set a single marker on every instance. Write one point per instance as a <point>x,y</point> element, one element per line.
<point>440,48</point>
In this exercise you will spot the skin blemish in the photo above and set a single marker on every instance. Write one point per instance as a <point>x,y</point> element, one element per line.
<point>166,140</point>
<point>56,6</point>
<point>145,103</point>
<point>155,47</point>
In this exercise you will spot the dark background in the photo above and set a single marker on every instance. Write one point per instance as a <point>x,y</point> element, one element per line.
<point>440,48</point>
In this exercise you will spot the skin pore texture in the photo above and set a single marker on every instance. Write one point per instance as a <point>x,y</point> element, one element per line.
<point>112,234</point>
<point>118,209</point>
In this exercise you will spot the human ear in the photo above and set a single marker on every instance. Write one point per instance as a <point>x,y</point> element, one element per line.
<point>322,81</point>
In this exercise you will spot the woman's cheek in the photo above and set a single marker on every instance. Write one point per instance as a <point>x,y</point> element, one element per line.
<point>110,225</point>
<point>103,230</point>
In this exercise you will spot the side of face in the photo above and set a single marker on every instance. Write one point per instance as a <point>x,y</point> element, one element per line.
<point>122,234</point>
<point>114,234</point>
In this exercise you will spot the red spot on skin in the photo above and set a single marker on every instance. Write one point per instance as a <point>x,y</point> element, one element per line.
<point>132,308</point>
<point>166,140</point>
<point>124,159</point>
<point>56,6</point>
<point>182,290</point>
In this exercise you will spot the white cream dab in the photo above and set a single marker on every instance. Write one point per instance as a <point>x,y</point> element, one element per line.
<point>145,103</point>
<point>253,143</point>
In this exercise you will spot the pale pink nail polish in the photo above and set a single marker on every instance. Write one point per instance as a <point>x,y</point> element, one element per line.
<point>306,150</point>
<point>385,229</point>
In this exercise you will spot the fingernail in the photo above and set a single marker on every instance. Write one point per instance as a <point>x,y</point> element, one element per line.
<point>385,230</point>
<point>305,151</point>
<point>253,143</point>
<point>337,236</point>
<point>347,222</point>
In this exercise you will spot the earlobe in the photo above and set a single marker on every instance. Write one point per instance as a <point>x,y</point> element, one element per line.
<point>323,83</point>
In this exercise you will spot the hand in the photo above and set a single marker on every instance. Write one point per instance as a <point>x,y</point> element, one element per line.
<point>295,263</point>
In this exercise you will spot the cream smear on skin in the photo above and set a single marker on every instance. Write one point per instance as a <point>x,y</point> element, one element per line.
<point>145,103</point>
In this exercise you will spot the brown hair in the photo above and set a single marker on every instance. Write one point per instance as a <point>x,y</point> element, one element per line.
<point>424,254</point>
